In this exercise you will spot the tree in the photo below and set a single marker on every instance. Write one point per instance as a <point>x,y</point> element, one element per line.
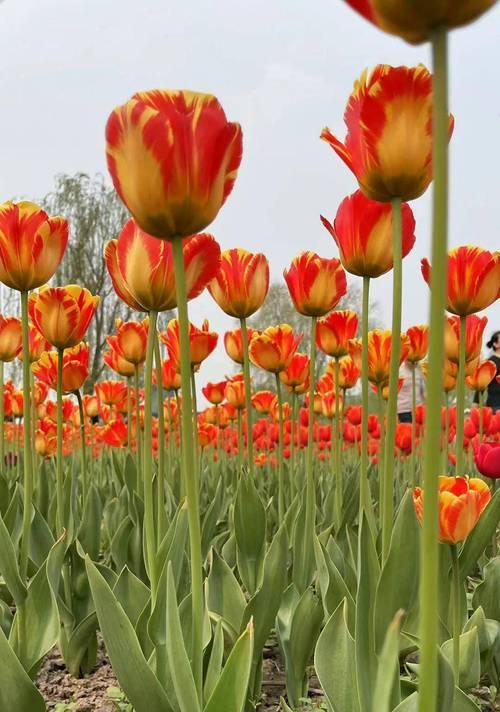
<point>278,309</point>
<point>96,215</point>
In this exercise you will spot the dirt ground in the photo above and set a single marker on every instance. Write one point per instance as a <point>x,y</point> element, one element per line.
<point>99,692</point>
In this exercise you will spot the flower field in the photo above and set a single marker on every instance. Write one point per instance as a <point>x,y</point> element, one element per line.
<point>310,545</point>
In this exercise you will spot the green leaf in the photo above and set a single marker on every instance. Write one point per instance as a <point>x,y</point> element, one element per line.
<point>180,667</point>
<point>388,668</point>
<point>284,706</point>
<point>303,550</point>
<point>215,663</point>
<point>335,663</point>
<point>409,705</point>
<point>224,595</point>
<point>398,585</point>
<point>366,660</point>
<point>130,667</point>
<point>17,692</point>
<point>89,533</point>
<point>41,539</point>
<point>132,594</point>
<point>9,568</point>
<point>480,537</point>
<point>119,543</point>
<point>231,690</point>
<point>333,587</point>
<point>250,533</point>
<point>210,521</point>
<point>487,594</point>
<point>470,660</point>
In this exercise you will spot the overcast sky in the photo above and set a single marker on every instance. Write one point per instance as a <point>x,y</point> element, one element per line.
<point>283,69</point>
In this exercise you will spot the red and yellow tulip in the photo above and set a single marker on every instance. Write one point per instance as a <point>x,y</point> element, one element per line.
<point>273,349</point>
<point>316,284</point>
<point>241,284</point>
<point>201,342</point>
<point>334,332</point>
<point>10,338</point>
<point>62,314</point>
<point>75,368</point>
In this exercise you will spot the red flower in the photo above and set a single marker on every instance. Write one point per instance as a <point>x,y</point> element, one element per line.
<point>487,459</point>
<point>241,284</point>
<point>201,342</point>
<point>315,283</point>
<point>334,332</point>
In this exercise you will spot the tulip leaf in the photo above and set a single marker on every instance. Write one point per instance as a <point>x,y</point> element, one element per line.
<point>180,667</point>
<point>215,662</point>
<point>210,521</point>
<point>388,669</point>
<point>303,549</point>
<point>487,594</point>
<point>224,595</point>
<point>9,568</point>
<point>250,534</point>
<point>131,668</point>
<point>284,706</point>
<point>230,692</point>
<point>335,663</point>
<point>132,594</point>
<point>17,691</point>
<point>333,587</point>
<point>470,660</point>
<point>89,533</point>
<point>401,566</point>
<point>480,537</point>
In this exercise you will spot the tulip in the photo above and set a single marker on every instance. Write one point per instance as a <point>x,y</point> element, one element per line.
<point>379,352</point>
<point>334,332</point>
<point>233,343</point>
<point>75,368</point>
<point>116,363</point>
<point>201,342</point>
<point>483,375</point>
<point>31,245</point>
<point>62,314</point>
<point>115,433</point>
<point>207,434</point>
<point>111,392</point>
<point>461,503</point>
<point>130,340</point>
<point>329,404</point>
<point>173,158</point>
<point>11,340</point>
<point>353,414</point>
<point>91,406</point>
<point>487,459</point>
<point>264,401</point>
<point>389,145</point>
<point>404,438</point>
<point>214,392</point>
<point>349,373</point>
<point>235,391</point>
<point>473,279</point>
<point>170,377</point>
<point>241,284</point>
<point>316,284</point>
<point>37,344</point>
<point>362,231</point>
<point>418,338</point>
<point>273,349</point>
<point>297,373</point>
<point>417,22</point>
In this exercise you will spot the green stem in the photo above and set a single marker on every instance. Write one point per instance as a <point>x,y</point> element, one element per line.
<point>149,515</point>
<point>338,459</point>
<point>392,403</point>
<point>292,446</point>
<point>188,466</point>
<point>129,415</point>
<point>381,482</point>
<point>281,478</point>
<point>195,423</point>
<point>160,490</point>
<point>413,457</point>
<point>459,438</point>
<point>59,472</point>
<point>457,626</point>
<point>480,403</point>
<point>364,493</point>
<point>240,442</point>
<point>429,552</point>
<point>138,429</point>
<point>83,449</point>
<point>248,395</point>
<point>28,462</point>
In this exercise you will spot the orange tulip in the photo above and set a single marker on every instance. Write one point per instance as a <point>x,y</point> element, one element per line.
<point>329,404</point>
<point>384,388</point>
<point>316,284</point>
<point>349,373</point>
<point>170,377</point>
<point>11,338</point>
<point>473,279</point>
<point>62,314</point>
<point>207,434</point>
<point>45,443</point>
<point>334,331</point>
<point>418,337</point>
<point>379,354</point>
<point>297,372</point>
<point>90,406</point>
<point>235,391</point>
<point>474,329</point>
<point>242,282</point>
<point>461,503</point>
<point>264,401</point>
<point>355,351</point>
<point>37,344</point>
<point>131,340</point>
<point>32,245</point>
<point>214,392</point>
<point>450,371</point>
<point>389,139</point>
<point>75,368</point>
<point>173,158</point>
<point>118,364</point>
<point>115,433</point>
<point>17,403</point>
<point>201,342</point>
<point>233,343</point>
<point>41,391</point>
<point>274,348</point>
<point>142,268</point>
<point>416,22</point>
<point>362,230</point>
<point>483,375</point>
<point>111,392</point>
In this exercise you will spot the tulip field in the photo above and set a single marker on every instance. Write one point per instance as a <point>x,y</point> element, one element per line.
<point>222,547</point>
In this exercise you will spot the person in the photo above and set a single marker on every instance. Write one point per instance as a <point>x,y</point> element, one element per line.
<point>493,397</point>
<point>405,397</point>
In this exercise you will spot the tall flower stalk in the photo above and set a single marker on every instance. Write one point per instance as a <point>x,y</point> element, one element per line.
<point>2,419</point>
<point>188,469</point>
<point>392,403</point>
<point>413,456</point>
<point>459,438</point>
<point>429,551</point>
<point>27,459</point>
<point>161,444</point>
<point>248,395</point>
<point>138,429</point>
<point>59,465</point>
<point>281,477</point>
<point>338,454</point>
<point>83,449</point>
<point>364,491</point>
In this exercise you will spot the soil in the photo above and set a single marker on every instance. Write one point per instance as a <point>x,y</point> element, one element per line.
<point>64,693</point>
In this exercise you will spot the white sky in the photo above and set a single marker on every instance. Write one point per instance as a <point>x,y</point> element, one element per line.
<point>283,69</point>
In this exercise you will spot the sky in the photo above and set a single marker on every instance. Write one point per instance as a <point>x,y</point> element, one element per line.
<point>284,69</point>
